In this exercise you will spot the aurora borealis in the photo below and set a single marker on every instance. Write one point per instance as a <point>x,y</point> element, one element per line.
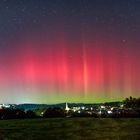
<point>54,51</point>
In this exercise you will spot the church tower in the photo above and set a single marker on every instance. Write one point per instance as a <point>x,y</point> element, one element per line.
<point>67,108</point>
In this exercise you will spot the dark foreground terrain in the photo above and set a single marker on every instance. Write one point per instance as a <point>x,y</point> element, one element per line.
<point>70,129</point>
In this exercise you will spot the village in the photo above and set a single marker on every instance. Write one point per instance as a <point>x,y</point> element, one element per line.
<point>130,107</point>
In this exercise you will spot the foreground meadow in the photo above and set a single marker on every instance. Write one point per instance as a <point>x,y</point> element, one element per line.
<point>70,129</point>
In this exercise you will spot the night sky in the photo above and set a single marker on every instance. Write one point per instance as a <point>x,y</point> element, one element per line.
<point>55,51</point>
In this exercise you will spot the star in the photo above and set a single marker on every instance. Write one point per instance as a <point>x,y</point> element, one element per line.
<point>23,9</point>
<point>7,7</point>
<point>124,41</point>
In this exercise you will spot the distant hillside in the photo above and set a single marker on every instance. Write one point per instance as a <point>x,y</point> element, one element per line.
<point>35,106</point>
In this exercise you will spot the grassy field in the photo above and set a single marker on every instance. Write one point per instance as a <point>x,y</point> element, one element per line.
<point>70,129</point>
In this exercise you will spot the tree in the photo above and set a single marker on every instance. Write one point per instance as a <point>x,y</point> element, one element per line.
<point>30,114</point>
<point>132,102</point>
<point>54,112</point>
